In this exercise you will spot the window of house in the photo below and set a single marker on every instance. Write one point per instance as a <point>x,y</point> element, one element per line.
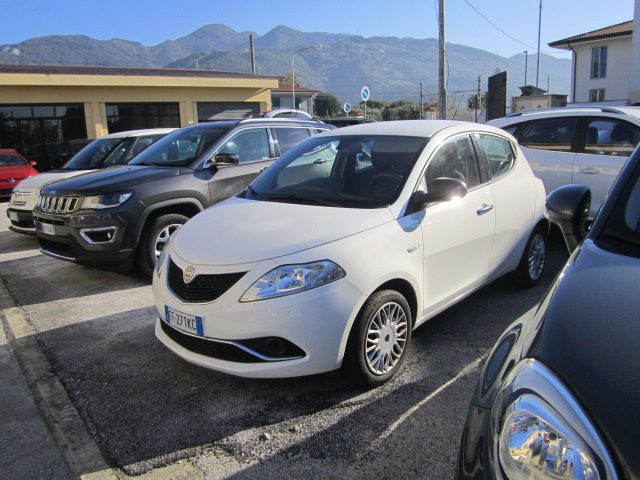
<point>598,62</point>
<point>596,95</point>
<point>134,116</point>
<point>555,134</point>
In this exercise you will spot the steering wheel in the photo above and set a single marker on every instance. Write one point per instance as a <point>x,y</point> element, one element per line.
<point>384,185</point>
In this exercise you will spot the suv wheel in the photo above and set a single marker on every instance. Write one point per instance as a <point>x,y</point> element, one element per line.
<point>379,339</point>
<point>154,238</point>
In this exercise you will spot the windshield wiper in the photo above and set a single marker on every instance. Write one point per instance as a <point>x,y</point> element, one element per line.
<point>623,237</point>
<point>302,199</point>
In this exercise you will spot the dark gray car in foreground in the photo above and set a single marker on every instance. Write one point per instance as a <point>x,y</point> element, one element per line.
<point>558,396</point>
<point>117,215</point>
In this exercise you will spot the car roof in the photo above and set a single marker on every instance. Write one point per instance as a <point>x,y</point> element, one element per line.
<point>412,128</point>
<point>139,133</point>
<point>577,111</point>
<point>9,151</point>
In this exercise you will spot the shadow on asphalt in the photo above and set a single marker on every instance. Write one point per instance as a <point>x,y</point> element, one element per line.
<point>11,242</point>
<point>146,407</point>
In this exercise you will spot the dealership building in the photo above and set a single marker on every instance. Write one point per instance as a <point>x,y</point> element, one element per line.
<point>42,106</point>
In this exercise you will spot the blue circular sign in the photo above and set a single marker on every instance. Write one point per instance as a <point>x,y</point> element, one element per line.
<point>365,93</point>
<point>346,107</point>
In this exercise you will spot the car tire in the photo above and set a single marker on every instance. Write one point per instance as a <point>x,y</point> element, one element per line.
<point>385,317</point>
<point>534,259</point>
<point>154,236</point>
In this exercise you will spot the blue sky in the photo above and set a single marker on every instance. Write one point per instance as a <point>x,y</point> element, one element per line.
<point>151,22</point>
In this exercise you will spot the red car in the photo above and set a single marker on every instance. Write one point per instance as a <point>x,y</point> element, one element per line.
<point>13,168</point>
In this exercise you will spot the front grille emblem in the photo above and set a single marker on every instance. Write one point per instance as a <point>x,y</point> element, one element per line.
<point>188,274</point>
<point>11,180</point>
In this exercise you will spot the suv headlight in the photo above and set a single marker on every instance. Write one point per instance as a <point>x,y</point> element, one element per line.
<point>108,200</point>
<point>289,279</point>
<point>543,432</point>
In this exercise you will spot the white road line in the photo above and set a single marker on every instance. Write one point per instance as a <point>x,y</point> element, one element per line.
<point>394,426</point>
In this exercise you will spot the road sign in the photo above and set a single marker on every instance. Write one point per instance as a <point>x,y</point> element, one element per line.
<point>346,107</point>
<point>365,93</point>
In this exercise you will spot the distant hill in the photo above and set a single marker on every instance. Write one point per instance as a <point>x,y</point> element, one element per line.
<point>392,67</point>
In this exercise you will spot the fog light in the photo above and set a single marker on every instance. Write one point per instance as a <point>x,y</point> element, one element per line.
<point>98,235</point>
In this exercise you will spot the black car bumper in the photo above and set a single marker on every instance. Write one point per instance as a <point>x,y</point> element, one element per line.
<point>85,237</point>
<point>21,221</point>
<point>474,452</point>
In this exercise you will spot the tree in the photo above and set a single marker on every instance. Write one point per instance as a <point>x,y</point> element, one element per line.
<point>288,80</point>
<point>477,101</point>
<point>401,110</point>
<point>326,105</point>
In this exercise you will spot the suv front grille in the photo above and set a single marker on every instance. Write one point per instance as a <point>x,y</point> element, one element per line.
<point>203,288</point>
<point>51,204</point>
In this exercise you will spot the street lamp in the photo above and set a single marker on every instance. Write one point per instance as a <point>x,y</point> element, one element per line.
<point>293,69</point>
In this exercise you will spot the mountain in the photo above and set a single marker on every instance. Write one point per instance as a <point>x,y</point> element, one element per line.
<point>392,67</point>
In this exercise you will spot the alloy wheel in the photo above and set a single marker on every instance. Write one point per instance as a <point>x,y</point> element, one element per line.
<point>386,338</point>
<point>163,238</point>
<point>537,256</point>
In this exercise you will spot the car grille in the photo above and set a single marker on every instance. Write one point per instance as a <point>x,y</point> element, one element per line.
<point>203,288</point>
<point>51,204</point>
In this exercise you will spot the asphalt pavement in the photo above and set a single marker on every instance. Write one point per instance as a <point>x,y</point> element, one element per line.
<point>149,412</point>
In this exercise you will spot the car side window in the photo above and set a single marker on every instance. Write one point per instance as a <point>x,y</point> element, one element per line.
<point>142,143</point>
<point>554,134</point>
<point>455,159</point>
<point>289,137</point>
<point>251,145</point>
<point>611,137</point>
<point>499,153</point>
<point>512,129</point>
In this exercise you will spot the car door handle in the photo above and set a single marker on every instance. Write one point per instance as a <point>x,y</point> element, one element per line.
<point>589,170</point>
<point>484,208</point>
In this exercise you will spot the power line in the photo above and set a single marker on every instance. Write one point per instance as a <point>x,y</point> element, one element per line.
<point>497,27</point>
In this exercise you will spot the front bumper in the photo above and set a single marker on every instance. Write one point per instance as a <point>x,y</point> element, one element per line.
<point>21,221</point>
<point>68,236</point>
<point>315,322</point>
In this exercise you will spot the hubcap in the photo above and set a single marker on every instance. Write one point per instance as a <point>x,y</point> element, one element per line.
<point>386,338</point>
<point>163,238</point>
<point>537,256</point>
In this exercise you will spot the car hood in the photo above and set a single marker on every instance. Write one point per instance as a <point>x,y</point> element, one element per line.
<point>112,179</point>
<point>42,179</point>
<point>14,172</point>
<point>590,337</point>
<point>240,231</point>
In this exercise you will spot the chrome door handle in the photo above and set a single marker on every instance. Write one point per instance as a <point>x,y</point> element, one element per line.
<point>484,208</point>
<point>589,170</point>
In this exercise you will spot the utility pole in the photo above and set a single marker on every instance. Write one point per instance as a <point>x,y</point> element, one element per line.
<point>478,98</point>
<point>252,55</point>
<point>442,98</point>
<point>421,102</point>
<point>539,30</point>
<point>526,61</point>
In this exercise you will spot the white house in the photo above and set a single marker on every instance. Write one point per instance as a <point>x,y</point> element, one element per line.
<point>602,64</point>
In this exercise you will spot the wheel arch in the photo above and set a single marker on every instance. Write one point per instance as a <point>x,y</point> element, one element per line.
<point>184,206</point>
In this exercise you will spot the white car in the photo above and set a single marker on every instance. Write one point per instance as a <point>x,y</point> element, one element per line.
<point>587,145</point>
<point>342,247</point>
<point>113,149</point>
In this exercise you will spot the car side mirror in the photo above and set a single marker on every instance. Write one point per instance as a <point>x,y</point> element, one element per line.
<point>222,159</point>
<point>33,163</point>
<point>568,208</point>
<point>441,189</point>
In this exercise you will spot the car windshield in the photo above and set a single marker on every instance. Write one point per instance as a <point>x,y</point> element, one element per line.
<point>181,147</point>
<point>621,232</point>
<point>93,155</point>
<point>342,171</point>
<point>11,160</point>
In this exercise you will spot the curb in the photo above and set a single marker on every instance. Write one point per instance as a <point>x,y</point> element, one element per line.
<point>79,451</point>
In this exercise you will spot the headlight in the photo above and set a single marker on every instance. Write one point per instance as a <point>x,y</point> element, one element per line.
<point>544,433</point>
<point>108,200</point>
<point>289,279</point>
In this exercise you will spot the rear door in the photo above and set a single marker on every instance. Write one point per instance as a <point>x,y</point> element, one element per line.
<point>256,151</point>
<point>608,142</point>
<point>550,147</point>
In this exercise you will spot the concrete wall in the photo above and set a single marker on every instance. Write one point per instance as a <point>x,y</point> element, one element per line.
<point>616,83</point>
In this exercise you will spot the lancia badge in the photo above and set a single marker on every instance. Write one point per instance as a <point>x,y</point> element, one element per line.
<point>11,180</point>
<point>188,274</point>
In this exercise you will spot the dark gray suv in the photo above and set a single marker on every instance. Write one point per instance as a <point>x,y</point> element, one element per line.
<point>119,215</point>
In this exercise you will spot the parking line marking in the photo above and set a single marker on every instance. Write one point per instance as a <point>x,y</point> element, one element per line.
<point>394,426</point>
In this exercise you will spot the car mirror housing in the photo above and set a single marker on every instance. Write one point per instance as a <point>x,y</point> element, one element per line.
<point>441,189</point>
<point>568,207</point>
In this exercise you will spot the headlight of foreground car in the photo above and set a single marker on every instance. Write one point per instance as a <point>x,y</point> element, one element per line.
<point>108,200</point>
<point>544,433</point>
<point>289,279</point>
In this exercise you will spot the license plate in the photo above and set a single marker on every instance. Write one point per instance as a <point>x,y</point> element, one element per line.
<point>13,216</point>
<point>46,228</point>
<point>183,321</point>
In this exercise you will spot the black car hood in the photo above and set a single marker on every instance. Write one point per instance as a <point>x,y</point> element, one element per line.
<point>119,178</point>
<point>590,336</point>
